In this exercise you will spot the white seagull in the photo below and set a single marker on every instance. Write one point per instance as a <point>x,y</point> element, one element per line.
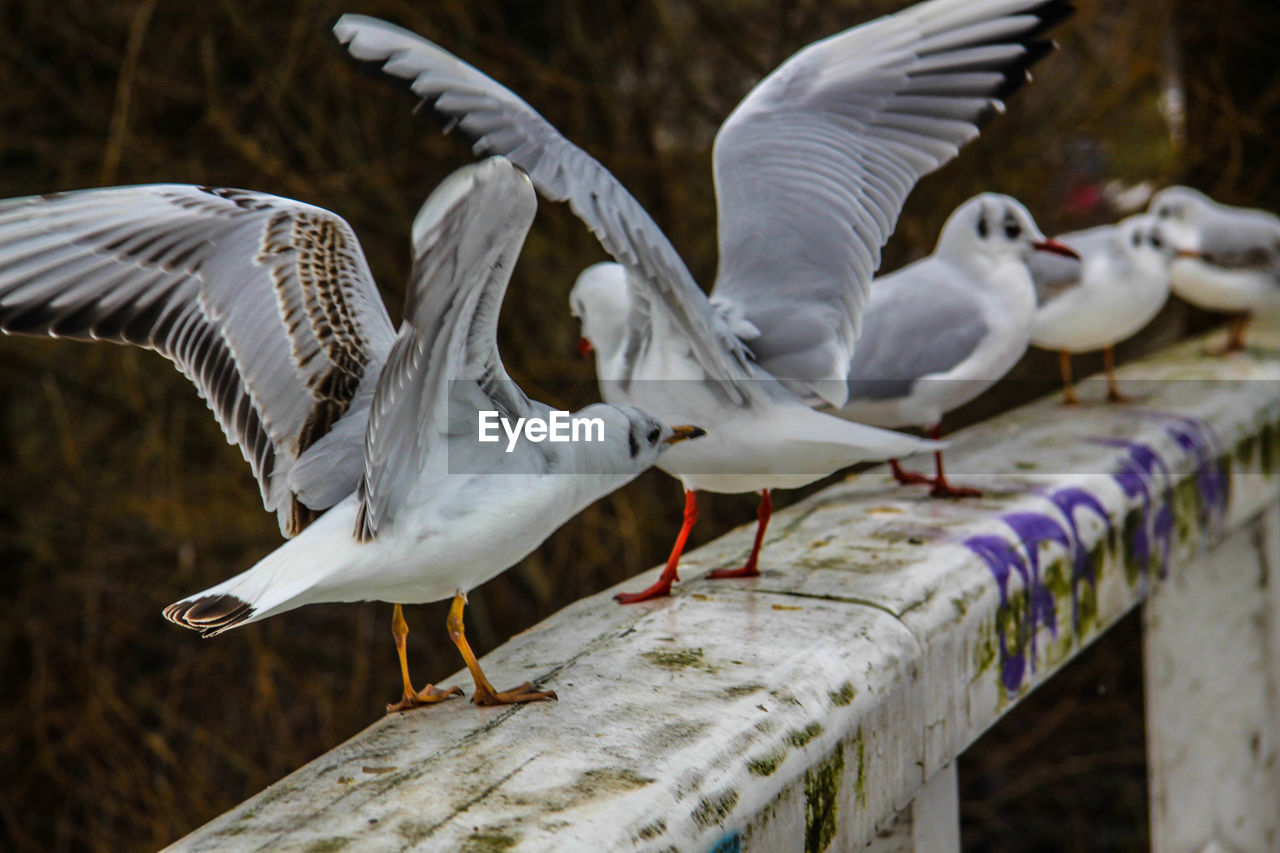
<point>811,172</point>
<point>1228,258</point>
<point>363,440</point>
<point>940,331</point>
<point>1120,283</point>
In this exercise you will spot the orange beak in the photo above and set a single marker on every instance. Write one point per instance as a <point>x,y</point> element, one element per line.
<point>1186,253</point>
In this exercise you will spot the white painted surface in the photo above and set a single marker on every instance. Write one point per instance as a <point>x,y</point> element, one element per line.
<point>804,709</point>
<point>930,824</point>
<point>1213,723</point>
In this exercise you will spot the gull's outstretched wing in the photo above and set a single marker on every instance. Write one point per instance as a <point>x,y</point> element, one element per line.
<point>444,366</point>
<point>266,304</point>
<point>499,122</point>
<point>814,165</point>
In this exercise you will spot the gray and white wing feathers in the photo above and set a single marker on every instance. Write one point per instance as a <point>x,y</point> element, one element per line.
<point>499,122</point>
<point>920,322</point>
<point>265,303</point>
<point>813,167</point>
<point>445,365</point>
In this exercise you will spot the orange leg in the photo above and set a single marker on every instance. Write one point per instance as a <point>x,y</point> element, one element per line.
<point>1235,340</point>
<point>941,488</point>
<point>748,569</point>
<point>662,586</point>
<point>1114,394</point>
<point>428,695</point>
<point>1236,326</point>
<point>1069,397</point>
<point>485,694</point>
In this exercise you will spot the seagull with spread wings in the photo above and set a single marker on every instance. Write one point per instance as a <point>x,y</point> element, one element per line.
<point>811,171</point>
<point>364,440</point>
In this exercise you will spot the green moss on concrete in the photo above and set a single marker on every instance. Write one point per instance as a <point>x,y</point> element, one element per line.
<point>860,765</point>
<point>767,764</point>
<point>739,690</point>
<point>714,809</point>
<point>1267,439</point>
<point>489,841</point>
<point>327,845</point>
<point>844,695</point>
<point>800,737</point>
<point>821,801</point>
<point>412,831</point>
<point>1133,567</point>
<point>675,658</point>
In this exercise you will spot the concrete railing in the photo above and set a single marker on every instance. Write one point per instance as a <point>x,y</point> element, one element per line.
<point>822,706</point>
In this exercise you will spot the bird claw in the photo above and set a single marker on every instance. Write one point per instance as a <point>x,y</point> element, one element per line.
<point>946,490</point>
<point>517,695</point>
<point>661,588</point>
<point>429,695</point>
<point>747,571</point>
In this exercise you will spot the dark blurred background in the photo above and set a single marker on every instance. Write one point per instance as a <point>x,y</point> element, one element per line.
<point>119,731</point>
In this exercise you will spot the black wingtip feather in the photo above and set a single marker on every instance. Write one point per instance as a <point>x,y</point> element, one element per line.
<point>209,614</point>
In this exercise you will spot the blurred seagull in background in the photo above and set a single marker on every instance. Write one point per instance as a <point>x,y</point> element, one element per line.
<point>811,171</point>
<point>1120,283</point>
<point>363,440</point>
<point>1228,258</point>
<point>944,329</point>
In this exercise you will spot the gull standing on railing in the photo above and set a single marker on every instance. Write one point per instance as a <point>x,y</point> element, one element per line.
<point>1228,258</point>
<point>364,441</point>
<point>939,332</point>
<point>811,172</point>
<point>1120,283</point>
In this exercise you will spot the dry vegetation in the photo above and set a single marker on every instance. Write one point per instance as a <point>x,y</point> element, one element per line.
<point>119,494</point>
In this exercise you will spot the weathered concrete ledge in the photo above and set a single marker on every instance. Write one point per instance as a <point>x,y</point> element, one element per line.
<point>802,710</point>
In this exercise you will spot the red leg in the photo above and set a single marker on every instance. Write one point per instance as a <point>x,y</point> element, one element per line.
<point>748,569</point>
<point>941,488</point>
<point>906,478</point>
<point>662,586</point>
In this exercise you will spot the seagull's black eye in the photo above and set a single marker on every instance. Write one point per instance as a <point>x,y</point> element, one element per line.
<point>982,227</point>
<point>654,435</point>
<point>1164,212</point>
<point>1156,242</point>
<point>1012,230</point>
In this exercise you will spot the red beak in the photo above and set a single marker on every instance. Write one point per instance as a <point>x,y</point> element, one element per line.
<point>1056,248</point>
<point>584,348</point>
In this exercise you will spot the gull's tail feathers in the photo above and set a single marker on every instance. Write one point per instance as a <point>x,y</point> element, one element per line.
<point>290,576</point>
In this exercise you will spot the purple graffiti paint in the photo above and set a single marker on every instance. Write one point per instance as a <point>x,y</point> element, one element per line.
<point>1068,500</point>
<point>1000,556</point>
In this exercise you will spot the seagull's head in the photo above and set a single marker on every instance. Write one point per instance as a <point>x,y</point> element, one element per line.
<point>1146,239</point>
<point>632,441</point>
<point>1181,211</point>
<point>990,229</point>
<point>601,302</point>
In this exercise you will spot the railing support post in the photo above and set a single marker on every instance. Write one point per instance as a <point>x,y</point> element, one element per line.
<point>930,823</point>
<point>1211,654</point>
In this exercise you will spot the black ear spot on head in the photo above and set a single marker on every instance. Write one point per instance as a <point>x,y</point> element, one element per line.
<point>982,226</point>
<point>632,443</point>
<point>1135,239</point>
